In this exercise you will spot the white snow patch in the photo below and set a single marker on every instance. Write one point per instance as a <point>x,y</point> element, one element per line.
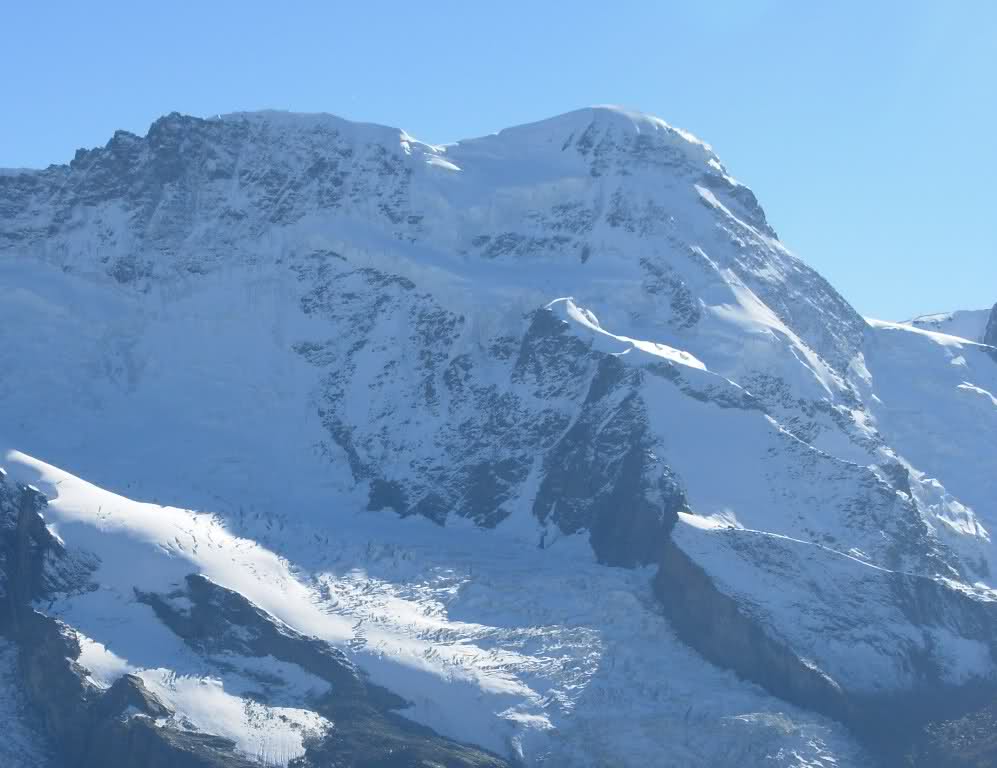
<point>588,320</point>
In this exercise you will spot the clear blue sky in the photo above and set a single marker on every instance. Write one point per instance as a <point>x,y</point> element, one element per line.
<point>867,129</point>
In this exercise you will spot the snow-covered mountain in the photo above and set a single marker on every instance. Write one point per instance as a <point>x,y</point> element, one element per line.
<point>533,449</point>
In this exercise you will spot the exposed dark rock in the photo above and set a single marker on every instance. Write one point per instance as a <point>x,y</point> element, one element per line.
<point>387,494</point>
<point>990,333</point>
<point>603,476</point>
<point>611,487</point>
<point>739,199</point>
<point>367,739</point>
<point>902,728</point>
<point>222,620</point>
<point>367,731</point>
<point>969,741</point>
<point>34,562</point>
<point>91,728</point>
<point>713,624</point>
<point>95,728</point>
<point>128,693</point>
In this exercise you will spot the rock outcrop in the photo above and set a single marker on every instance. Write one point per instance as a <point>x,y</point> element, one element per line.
<point>990,334</point>
<point>903,731</point>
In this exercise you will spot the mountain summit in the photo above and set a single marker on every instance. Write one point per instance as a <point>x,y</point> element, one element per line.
<point>329,446</point>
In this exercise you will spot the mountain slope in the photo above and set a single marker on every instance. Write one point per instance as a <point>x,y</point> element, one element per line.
<point>439,615</point>
<point>967,324</point>
<point>570,343</point>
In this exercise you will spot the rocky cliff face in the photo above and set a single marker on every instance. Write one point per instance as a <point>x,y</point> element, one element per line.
<point>990,334</point>
<point>581,329</point>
